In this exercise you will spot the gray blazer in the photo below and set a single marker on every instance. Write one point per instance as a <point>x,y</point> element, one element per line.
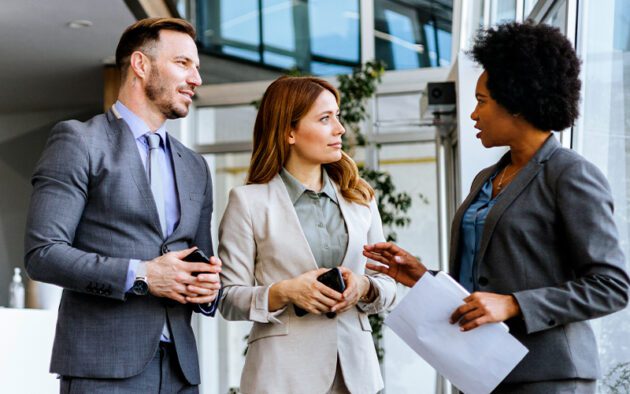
<point>91,211</point>
<point>551,241</point>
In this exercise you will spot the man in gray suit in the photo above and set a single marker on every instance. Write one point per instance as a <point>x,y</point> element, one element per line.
<point>117,204</point>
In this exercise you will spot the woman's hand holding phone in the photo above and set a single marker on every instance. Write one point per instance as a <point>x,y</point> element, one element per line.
<point>305,292</point>
<point>357,286</point>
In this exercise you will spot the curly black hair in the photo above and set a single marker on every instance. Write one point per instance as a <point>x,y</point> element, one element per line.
<point>532,71</point>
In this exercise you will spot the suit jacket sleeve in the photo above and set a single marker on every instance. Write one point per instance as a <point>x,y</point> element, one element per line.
<point>60,193</point>
<point>203,239</point>
<point>242,298</point>
<point>585,208</point>
<point>384,285</point>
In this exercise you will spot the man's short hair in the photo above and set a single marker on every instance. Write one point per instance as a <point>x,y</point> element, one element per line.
<point>145,33</point>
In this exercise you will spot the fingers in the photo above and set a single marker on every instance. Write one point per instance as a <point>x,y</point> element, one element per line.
<point>485,319</point>
<point>328,292</point>
<point>180,254</point>
<point>381,247</point>
<point>215,261</point>
<point>203,299</point>
<point>377,267</point>
<point>459,312</point>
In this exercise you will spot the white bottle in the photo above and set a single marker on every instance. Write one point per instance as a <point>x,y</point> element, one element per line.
<point>16,290</point>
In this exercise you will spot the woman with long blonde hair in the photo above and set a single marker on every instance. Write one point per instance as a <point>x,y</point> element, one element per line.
<point>303,212</point>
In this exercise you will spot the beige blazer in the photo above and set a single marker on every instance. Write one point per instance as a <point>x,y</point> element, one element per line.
<point>260,243</point>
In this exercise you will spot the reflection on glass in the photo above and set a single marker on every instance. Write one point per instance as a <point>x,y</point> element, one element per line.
<point>502,11</point>
<point>413,34</point>
<point>334,29</point>
<point>283,34</point>
<point>558,17</point>
<point>225,124</point>
<point>603,137</point>
<point>528,6</point>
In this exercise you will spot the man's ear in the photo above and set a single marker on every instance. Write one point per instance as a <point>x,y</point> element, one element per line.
<point>139,64</point>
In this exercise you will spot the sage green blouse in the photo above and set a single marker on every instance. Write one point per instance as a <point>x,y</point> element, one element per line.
<point>320,218</point>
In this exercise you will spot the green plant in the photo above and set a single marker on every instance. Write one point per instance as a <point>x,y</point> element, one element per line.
<point>617,381</point>
<point>355,90</point>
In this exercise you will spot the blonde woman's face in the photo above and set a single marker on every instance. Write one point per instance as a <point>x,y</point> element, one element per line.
<point>317,137</point>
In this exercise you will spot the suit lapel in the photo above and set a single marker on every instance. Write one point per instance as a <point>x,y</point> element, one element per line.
<point>515,188</point>
<point>183,181</point>
<point>294,231</point>
<point>122,140</point>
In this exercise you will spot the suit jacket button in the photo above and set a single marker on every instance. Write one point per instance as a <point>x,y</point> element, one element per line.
<point>483,281</point>
<point>551,322</point>
<point>165,249</point>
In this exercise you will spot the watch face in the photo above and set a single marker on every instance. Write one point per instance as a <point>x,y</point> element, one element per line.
<point>140,287</point>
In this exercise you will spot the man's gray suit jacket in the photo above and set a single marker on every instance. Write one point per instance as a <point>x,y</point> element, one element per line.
<point>91,211</point>
<point>551,241</point>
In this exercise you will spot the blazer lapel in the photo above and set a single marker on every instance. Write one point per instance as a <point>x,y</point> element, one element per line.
<point>294,232</point>
<point>183,181</point>
<point>459,214</point>
<point>516,187</point>
<point>122,140</point>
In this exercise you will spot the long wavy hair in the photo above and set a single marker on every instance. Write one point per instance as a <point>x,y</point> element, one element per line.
<point>285,102</point>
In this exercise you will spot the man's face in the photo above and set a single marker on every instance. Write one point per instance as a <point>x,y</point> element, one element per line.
<point>174,74</point>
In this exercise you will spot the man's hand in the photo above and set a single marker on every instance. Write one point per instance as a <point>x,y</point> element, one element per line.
<point>357,286</point>
<point>207,285</point>
<point>396,262</point>
<point>168,275</point>
<point>482,308</point>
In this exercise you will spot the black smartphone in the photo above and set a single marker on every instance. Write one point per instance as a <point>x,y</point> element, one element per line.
<point>197,256</point>
<point>333,279</point>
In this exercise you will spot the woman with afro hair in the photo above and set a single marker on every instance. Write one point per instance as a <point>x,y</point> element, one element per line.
<point>535,240</point>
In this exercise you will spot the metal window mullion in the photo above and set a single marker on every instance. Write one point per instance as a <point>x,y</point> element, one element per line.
<point>366,27</point>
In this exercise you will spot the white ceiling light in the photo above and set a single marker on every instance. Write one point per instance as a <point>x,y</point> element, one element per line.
<point>79,24</point>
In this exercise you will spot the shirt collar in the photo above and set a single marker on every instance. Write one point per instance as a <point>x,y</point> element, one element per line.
<point>296,188</point>
<point>137,126</point>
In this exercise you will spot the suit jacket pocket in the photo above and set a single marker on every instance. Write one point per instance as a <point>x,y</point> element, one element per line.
<point>264,330</point>
<point>197,196</point>
<point>365,322</point>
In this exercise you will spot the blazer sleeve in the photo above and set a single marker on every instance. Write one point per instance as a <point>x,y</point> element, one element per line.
<point>384,285</point>
<point>203,238</point>
<point>600,287</point>
<point>60,193</point>
<point>242,298</point>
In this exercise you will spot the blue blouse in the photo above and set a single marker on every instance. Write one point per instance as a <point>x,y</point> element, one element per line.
<point>472,225</point>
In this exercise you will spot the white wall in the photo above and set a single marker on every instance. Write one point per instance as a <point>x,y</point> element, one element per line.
<point>22,138</point>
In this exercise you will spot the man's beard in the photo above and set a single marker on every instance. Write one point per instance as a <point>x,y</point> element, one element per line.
<point>158,94</point>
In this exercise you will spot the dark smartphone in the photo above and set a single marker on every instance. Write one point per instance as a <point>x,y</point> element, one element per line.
<point>197,256</point>
<point>333,279</point>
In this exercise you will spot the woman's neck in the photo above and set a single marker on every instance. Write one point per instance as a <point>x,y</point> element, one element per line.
<point>308,175</point>
<point>526,146</point>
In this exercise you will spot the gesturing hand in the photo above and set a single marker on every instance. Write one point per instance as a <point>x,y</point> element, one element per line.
<point>396,262</point>
<point>357,286</point>
<point>309,294</point>
<point>482,308</point>
<point>168,275</point>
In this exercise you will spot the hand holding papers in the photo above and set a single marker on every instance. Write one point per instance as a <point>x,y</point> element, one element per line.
<point>474,361</point>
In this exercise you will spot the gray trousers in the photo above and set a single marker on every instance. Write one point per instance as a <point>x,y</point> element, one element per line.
<point>162,376</point>
<point>568,386</point>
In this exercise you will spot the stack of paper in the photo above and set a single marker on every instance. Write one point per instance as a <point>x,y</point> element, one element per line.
<point>474,361</point>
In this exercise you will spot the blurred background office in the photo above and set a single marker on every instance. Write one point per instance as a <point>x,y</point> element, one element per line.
<point>57,61</point>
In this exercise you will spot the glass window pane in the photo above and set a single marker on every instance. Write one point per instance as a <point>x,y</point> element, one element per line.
<point>278,22</point>
<point>398,108</point>
<point>413,34</point>
<point>334,29</point>
<point>404,371</point>
<point>502,11</point>
<point>558,17</point>
<point>239,21</point>
<point>225,124</point>
<point>603,137</point>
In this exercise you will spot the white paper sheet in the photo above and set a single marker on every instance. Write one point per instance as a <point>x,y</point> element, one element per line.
<point>475,361</point>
